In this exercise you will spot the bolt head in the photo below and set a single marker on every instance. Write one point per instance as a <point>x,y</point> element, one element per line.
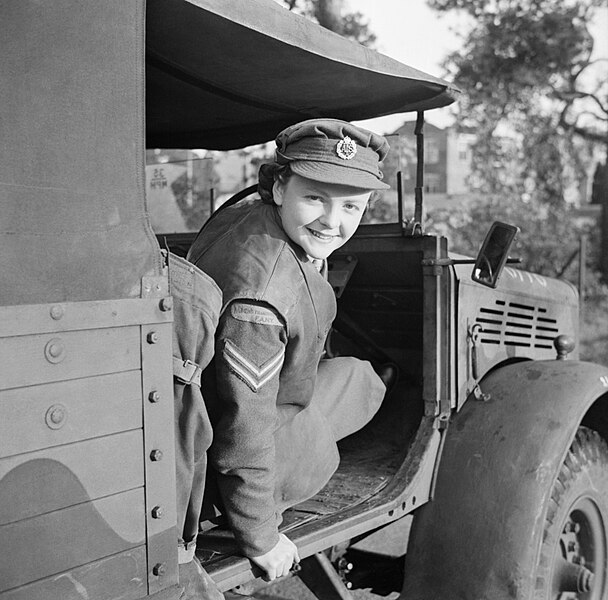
<point>57,312</point>
<point>157,512</point>
<point>154,396</point>
<point>57,415</point>
<point>156,455</point>
<point>166,304</point>
<point>159,569</point>
<point>152,337</point>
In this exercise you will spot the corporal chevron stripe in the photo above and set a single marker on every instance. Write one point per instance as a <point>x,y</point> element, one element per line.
<point>255,377</point>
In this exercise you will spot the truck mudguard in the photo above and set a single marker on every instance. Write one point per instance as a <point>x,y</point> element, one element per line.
<point>480,535</point>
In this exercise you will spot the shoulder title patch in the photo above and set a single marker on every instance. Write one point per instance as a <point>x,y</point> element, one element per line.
<point>254,313</point>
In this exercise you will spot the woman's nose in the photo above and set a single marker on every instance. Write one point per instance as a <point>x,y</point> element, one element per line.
<point>331,217</point>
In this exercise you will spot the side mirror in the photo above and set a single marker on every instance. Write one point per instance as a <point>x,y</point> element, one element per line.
<point>494,253</point>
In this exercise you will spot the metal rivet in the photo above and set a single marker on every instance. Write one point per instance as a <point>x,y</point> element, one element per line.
<point>156,455</point>
<point>152,337</point>
<point>56,416</point>
<point>154,396</point>
<point>157,512</point>
<point>166,304</point>
<point>159,569</point>
<point>54,351</point>
<point>57,312</point>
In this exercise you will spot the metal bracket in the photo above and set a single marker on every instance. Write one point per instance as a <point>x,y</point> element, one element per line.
<point>412,228</point>
<point>473,332</point>
<point>320,577</point>
<point>446,262</point>
<point>154,287</point>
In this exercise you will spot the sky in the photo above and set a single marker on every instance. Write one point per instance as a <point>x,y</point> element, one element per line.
<point>410,32</point>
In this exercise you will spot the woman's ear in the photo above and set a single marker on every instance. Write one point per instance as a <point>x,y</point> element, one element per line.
<point>277,192</point>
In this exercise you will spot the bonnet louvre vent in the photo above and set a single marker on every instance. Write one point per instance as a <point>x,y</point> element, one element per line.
<point>515,324</point>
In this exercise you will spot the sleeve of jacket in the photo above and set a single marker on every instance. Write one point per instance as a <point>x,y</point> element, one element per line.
<point>250,349</point>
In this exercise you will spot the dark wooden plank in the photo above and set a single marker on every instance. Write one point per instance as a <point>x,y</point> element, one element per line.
<point>62,540</point>
<point>92,407</point>
<point>34,359</point>
<point>39,482</point>
<point>120,576</point>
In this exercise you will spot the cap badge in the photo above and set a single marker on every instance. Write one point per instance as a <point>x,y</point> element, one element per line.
<point>346,148</point>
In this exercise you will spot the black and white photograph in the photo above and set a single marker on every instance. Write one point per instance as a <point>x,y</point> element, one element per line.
<point>304,300</point>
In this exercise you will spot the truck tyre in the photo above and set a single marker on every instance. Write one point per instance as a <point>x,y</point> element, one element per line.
<point>573,555</point>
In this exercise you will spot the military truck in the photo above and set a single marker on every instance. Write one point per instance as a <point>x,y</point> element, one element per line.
<point>494,442</point>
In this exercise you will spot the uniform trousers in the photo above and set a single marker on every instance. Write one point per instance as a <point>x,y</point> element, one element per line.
<point>347,394</point>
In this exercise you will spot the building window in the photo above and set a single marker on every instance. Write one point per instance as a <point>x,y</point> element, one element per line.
<point>463,151</point>
<point>431,184</point>
<point>431,151</point>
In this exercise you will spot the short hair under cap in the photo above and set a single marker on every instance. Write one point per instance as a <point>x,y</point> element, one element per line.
<point>333,151</point>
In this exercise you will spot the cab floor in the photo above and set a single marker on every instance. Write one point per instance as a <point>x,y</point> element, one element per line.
<point>368,461</point>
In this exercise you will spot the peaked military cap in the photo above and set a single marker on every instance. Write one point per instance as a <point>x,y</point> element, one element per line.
<point>334,151</point>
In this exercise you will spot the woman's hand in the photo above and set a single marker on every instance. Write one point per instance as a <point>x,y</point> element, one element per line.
<point>278,561</point>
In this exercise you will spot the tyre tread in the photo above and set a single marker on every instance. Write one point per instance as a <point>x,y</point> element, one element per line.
<point>588,447</point>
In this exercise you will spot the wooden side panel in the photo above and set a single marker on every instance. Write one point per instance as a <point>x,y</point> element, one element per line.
<point>67,475</point>
<point>87,408</point>
<point>121,576</point>
<point>87,464</point>
<point>28,319</point>
<point>33,359</point>
<point>72,537</point>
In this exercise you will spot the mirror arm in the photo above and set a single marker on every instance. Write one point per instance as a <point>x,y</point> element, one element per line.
<point>447,262</point>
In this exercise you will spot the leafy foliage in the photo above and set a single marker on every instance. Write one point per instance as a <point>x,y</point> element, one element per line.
<point>537,98</point>
<point>331,15</point>
<point>526,67</point>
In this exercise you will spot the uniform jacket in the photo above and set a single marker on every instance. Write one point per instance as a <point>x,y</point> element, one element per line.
<point>277,310</point>
<point>197,303</point>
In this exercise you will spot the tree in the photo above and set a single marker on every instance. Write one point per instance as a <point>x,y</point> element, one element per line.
<point>331,15</point>
<point>521,51</point>
<point>527,67</point>
<point>537,97</point>
<point>538,101</point>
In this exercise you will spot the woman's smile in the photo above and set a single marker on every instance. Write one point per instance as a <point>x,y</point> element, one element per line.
<point>324,237</point>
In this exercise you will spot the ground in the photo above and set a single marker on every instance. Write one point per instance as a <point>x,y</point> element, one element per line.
<point>294,589</point>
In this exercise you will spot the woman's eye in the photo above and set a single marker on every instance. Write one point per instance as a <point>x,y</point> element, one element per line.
<point>352,207</point>
<point>314,198</point>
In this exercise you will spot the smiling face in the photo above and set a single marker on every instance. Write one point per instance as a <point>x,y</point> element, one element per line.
<point>319,217</point>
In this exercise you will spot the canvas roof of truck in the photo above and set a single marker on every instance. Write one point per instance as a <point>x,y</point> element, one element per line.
<point>224,74</point>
